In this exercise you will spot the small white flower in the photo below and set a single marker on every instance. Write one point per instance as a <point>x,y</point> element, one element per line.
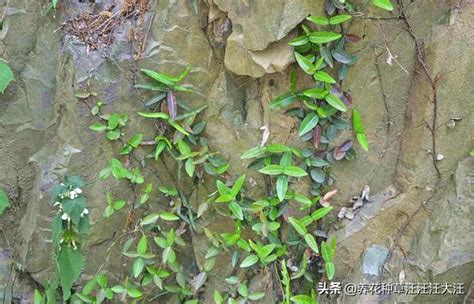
<point>73,194</point>
<point>78,190</point>
<point>65,216</point>
<point>57,204</point>
<point>84,212</point>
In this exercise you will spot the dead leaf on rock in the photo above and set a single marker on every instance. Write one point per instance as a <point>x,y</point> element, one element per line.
<point>349,214</point>
<point>316,136</point>
<point>324,201</point>
<point>202,208</point>
<point>342,213</point>
<point>357,203</point>
<point>401,276</point>
<point>366,193</point>
<point>265,135</point>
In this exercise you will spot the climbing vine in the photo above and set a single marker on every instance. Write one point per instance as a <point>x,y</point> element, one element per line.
<point>285,244</point>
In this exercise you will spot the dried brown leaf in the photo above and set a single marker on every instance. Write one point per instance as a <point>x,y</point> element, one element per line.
<point>172,105</point>
<point>316,136</point>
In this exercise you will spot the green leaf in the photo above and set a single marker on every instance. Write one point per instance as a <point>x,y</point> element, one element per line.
<point>109,210</point>
<point>142,245</point>
<point>325,252</point>
<point>306,220</point>
<point>98,127</point>
<point>308,123</point>
<point>178,127</point>
<point>169,256</point>
<point>330,270</point>
<point>138,266</point>
<point>168,216</point>
<point>362,139</point>
<point>339,19</point>
<point>155,115</point>
<point>243,290</point>
<point>4,202</point>
<point>256,296</point>
<point>336,102</point>
<point>320,20</point>
<point>134,293</point>
<point>323,37</point>
<point>102,280</point>
<point>183,74</point>
<point>113,135</point>
<point>298,225</point>
<point>152,86</point>
<point>232,280</point>
<point>163,243</point>
<point>285,160</point>
<point>225,198</point>
<point>385,4</point>
<point>294,171</point>
<point>6,75</point>
<point>249,261</point>
<point>320,213</point>
<point>324,77</point>
<point>254,152</point>
<point>82,95</point>
<point>160,147</point>
<point>237,186</point>
<point>118,289</point>
<point>135,140</point>
<point>38,298</point>
<point>309,239</point>
<point>302,199</point>
<point>113,121</point>
<point>168,190</point>
<point>278,148</point>
<point>357,121</point>
<point>189,167</point>
<point>236,210</point>
<point>164,79</point>
<point>272,170</point>
<point>302,299</point>
<point>222,188</point>
<point>89,287</point>
<point>300,40</point>
<point>70,263</point>
<point>359,129</point>
<point>305,64</point>
<point>319,63</point>
<point>282,186</point>
<point>183,148</point>
<point>264,251</point>
<point>218,299</point>
<point>191,112</point>
<point>283,100</point>
<point>316,93</point>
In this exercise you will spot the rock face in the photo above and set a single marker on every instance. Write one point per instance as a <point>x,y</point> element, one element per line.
<point>258,43</point>
<point>421,218</point>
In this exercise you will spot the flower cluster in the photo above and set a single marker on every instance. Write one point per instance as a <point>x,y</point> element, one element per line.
<point>71,194</point>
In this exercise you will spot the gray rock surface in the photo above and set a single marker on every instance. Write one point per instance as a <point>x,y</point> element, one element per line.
<point>240,62</point>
